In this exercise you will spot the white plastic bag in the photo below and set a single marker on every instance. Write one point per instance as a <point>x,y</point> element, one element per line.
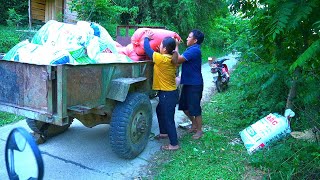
<point>265,131</point>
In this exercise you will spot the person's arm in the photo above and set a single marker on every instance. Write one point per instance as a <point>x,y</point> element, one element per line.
<point>176,57</point>
<point>149,51</point>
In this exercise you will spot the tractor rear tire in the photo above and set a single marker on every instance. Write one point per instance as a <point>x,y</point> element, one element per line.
<point>130,125</point>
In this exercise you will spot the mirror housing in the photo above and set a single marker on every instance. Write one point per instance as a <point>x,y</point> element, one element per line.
<point>23,157</point>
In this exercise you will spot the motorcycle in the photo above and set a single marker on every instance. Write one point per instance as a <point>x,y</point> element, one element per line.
<point>220,71</point>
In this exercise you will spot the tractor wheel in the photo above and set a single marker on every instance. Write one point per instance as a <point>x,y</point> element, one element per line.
<point>46,129</point>
<point>130,125</point>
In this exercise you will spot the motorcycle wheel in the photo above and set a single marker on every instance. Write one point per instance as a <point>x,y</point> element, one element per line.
<point>219,85</point>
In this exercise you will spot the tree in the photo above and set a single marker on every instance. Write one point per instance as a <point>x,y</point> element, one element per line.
<point>179,16</point>
<point>285,42</point>
<point>20,8</point>
<point>105,12</point>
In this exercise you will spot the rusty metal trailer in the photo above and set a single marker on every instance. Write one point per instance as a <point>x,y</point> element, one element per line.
<point>51,96</point>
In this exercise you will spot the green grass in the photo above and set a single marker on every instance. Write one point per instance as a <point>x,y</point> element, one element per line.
<point>215,157</point>
<point>7,118</point>
<point>212,157</point>
<point>9,37</point>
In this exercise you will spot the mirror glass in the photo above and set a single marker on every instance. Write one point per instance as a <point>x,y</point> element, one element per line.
<point>20,141</point>
<point>21,155</point>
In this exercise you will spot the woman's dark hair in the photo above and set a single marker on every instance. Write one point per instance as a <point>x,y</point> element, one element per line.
<point>197,34</point>
<point>169,43</point>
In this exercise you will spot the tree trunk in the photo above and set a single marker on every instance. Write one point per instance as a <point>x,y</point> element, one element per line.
<point>29,14</point>
<point>293,89</point>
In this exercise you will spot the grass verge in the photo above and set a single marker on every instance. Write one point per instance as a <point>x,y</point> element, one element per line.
<point>220,154</point>
<point>7,118</point>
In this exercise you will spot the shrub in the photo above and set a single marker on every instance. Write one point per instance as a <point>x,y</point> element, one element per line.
<point>14,19</point>
<point>20,7</point>
<point>9,37</point>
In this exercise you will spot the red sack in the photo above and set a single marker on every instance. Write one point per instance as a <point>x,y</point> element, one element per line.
<point>138,36</point>
<point>122,50</point>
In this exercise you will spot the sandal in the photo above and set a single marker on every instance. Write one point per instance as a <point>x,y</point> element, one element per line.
<point>161,136</point>
<point>198,135</point>
<point>170,147</point>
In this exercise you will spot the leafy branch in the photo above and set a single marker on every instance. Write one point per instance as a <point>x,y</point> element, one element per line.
<point>310,53</point>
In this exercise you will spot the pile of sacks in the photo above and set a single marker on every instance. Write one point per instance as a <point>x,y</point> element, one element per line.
<point>82,43</point>
<point>135,49</point>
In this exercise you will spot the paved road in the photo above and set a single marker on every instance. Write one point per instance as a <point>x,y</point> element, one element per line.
<point>85,153</point>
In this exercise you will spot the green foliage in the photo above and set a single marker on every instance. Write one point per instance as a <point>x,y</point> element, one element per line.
<point>263,87</point>
<point>281,17</point>
<point>8,39</point>
<point>142,11</point>
<point>262,83</point>
<point>7,118</point>
<point>284,159</point>
<point>103,12</point>
<point>283,33</point>
<point>290,159</point>
<point>10,36</point>
<point>14,18</point>
<point>218,156</point>
<point>282,47</point>
<point>230,33</point>
<point>219,34</point>
<point>208,51</point>
<point>21,9</point>
<point>181,17</point>
<point>310,55</point>
<point>60,17</point>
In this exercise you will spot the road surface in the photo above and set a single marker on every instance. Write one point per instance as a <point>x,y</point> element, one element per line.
<point>85,153</point>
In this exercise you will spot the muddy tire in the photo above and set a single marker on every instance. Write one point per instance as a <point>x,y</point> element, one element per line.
<point>130,126</point>
<point>52,130</point>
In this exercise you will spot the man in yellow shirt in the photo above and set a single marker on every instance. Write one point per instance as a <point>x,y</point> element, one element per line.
<point>164,82</point>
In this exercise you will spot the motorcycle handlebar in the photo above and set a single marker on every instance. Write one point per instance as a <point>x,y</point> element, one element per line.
<point>220,61</point>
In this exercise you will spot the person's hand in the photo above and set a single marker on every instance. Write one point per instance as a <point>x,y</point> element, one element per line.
<point>149,34</point>
<point>177,41</point>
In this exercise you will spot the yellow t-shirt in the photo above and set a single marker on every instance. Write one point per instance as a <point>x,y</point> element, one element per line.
<point>164,72</point>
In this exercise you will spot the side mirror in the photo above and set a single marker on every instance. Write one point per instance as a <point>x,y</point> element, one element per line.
<point>23,157</point>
